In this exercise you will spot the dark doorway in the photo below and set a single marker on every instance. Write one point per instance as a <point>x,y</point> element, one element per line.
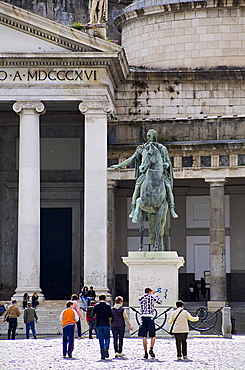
<point>56,252</point>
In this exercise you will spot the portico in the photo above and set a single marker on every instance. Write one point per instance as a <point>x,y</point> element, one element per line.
<point>33,82</point>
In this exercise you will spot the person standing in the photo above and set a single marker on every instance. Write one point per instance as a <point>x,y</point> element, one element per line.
<point>34,300</point>
<point>180,328</point>
<point>147,311</point>
<point>203,288</point>
<point>30,316</point>
<point>11,316</point>
<point>76,307</point>
<point>91,294</point>
<point>102,312</point>
<point>25,300</point>
<point>85,296</point>
<point>68,317</point>
<point>91,320</point>
<point>119,317</point>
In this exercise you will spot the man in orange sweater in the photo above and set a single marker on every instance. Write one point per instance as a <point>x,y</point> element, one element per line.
<point>69,317</point>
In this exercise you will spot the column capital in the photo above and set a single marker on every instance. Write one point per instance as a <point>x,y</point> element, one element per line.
<point>91,106</point>
<point>216,181</point>
<point>111,184</point>
<point>37,106</point>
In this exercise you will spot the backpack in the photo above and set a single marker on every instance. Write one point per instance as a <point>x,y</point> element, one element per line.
<point>90,310</point>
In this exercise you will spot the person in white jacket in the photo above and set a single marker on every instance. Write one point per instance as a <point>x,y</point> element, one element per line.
<point>180,328</point>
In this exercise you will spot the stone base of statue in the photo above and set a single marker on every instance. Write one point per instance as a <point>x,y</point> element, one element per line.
<point>158,271</point>
<point>97,30</point>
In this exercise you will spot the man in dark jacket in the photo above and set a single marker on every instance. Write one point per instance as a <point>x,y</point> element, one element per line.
<point>102,312</point>
<point>29,316</point>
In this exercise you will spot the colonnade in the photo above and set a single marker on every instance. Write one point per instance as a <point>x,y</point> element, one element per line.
<point>97,247</point>
<point>95,196</point>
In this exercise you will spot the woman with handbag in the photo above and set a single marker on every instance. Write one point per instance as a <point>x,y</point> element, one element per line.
<point>11,316</point>
<point>180,328</point>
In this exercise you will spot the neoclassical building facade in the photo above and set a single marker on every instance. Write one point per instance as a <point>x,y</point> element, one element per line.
<point>72,104</point>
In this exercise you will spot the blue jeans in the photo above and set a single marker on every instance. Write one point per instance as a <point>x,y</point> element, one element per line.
<point>103,333</point>
<point>68,338</point>
<point>79,331</point>
<point>30,325</point>
<point>86,301</point>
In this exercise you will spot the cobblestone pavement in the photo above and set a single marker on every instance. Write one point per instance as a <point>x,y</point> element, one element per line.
<point>44,354</point>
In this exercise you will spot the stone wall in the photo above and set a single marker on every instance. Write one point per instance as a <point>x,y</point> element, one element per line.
<point>182,94</point>
<point>184,35</point>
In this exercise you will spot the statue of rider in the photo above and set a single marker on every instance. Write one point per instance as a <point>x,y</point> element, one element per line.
<point>140,177</point>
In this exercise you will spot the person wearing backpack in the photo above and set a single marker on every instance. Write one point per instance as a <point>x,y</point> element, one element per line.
<point>180,328</point>
<point>91,320</point>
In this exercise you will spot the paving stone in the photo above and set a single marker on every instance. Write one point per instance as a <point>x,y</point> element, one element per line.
<point>214,353</point>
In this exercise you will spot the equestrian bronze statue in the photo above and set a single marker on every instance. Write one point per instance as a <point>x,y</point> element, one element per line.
<point>153,189</point>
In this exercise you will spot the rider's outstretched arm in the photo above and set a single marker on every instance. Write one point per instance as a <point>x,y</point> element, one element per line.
<point>124,163</point>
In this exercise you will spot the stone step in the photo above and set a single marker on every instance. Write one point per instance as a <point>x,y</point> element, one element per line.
<point>48,319</point>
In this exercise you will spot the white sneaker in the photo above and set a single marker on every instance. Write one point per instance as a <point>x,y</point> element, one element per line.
<point>121,354</point>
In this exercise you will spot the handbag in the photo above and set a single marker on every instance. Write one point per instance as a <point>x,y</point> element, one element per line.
<point>171,329</point>
<point>7,318</point>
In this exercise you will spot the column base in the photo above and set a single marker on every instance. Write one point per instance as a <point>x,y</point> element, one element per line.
<point>215,305</point>
<point>19,292</point>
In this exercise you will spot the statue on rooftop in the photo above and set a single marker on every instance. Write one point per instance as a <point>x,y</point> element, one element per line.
<point>98,11</point>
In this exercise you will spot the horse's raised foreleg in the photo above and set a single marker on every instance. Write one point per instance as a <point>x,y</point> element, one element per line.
<point>142,218</point>
<point>136,212</point>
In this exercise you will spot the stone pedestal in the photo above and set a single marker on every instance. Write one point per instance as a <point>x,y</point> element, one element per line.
<point>157,270</point>
<point>97,30</point>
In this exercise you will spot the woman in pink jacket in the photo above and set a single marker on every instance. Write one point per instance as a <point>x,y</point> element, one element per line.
<point>180,328</point>
<point>76,307</point>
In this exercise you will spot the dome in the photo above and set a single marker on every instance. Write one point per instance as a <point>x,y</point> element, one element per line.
<point>170,34</point>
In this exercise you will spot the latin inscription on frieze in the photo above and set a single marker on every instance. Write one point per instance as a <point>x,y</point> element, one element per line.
<point>64,75</point>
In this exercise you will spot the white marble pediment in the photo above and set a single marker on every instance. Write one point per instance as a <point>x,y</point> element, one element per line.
<point>14,41</point>
<point>22,31</point>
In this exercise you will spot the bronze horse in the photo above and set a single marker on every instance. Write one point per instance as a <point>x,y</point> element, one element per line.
<point>152,203</point>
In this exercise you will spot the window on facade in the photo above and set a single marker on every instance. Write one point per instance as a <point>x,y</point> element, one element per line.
<point>187,161</point>
<point>224,160</point>
<point>241,159</point>
<point>205,161</point>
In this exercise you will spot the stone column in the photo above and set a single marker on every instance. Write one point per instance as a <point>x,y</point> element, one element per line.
<point>28,263</point>
<point>111,235</point>
<point>217,244</point>
<point>95,194</point>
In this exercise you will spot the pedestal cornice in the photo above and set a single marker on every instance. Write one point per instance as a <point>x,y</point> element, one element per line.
<point>141,258</point>
<point>216,181</point>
